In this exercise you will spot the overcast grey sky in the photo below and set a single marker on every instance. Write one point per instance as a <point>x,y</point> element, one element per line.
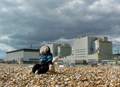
<point>38,22</point>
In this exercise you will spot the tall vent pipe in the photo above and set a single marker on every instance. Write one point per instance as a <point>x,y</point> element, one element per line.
<point>31,46</point>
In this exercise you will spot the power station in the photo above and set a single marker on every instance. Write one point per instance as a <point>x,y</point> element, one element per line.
<point>92,49</point>
<point>83,49</point>
<point>60,50</point>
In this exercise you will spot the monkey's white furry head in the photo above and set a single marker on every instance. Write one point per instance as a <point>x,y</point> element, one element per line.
<point>44,50</point>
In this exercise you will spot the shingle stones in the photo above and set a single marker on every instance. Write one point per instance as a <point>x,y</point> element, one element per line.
<point>17,76</point>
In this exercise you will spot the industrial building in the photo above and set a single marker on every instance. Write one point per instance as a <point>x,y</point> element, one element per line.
<point>32,55</point>
<point>60,50</point>
<point>23,55</point>
<point>86,48</point>
<point>92,49</point>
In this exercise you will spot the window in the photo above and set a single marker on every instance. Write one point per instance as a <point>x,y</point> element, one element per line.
<point>33,59</point>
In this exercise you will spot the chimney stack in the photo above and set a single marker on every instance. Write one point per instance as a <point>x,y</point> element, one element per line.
<point>31,46</point>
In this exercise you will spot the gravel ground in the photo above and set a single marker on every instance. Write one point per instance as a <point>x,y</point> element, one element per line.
<point>15,75</point>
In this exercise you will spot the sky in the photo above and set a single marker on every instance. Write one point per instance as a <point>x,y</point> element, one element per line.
<point>38,22</point>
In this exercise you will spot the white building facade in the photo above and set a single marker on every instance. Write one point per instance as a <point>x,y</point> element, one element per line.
<point>91,48</point>
<point>23,55</point>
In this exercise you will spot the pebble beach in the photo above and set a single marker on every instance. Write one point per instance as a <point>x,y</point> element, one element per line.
<point>21,76</point>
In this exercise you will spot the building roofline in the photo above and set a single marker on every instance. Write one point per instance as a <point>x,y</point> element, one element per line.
<point>106,41</point>
<point>24,49</point>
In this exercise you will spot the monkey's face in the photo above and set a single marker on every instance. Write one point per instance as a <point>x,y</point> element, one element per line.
<point>44,50</point>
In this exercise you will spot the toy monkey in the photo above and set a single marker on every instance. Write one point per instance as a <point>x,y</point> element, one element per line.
<point>45,61</point>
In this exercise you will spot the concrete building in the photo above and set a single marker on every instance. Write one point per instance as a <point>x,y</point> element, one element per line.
<point>60,50</point>
<point>54,48</point>
<point>92,49</point>
<point>84,49</point>
<point>23,55</point>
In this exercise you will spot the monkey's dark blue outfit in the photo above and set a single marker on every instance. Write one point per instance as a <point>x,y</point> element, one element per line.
<point>45,61</point>
<point>43,67</point>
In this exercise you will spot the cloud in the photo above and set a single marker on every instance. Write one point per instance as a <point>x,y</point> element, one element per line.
<point>4,47</point>
<point>64,41</point>
<point>2,54</point>
<point>115,41</point>
<point>38,22</point>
